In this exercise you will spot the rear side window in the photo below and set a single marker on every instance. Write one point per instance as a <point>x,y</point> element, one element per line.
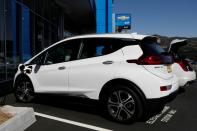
<point>94,47</point>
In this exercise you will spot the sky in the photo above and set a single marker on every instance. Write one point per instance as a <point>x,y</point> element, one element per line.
<point>163,17</point>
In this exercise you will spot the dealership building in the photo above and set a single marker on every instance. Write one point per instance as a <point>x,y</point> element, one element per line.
<point>29,26</point>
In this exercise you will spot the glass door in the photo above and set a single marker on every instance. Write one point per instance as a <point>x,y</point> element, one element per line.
<point>26,51</point>
<point>2,41</point>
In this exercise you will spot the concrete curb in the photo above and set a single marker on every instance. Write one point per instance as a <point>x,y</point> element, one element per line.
<point>23,117</point>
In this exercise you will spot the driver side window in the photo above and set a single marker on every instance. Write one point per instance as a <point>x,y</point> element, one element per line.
<point>63,52</point>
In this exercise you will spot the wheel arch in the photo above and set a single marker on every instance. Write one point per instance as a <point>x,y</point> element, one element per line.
<point>20,76</point>
<point>125,82</point>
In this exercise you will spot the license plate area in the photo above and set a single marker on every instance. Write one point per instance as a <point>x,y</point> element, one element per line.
<point>169,68</point>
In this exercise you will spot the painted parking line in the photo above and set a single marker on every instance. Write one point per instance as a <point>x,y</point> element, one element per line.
<point>168,116</point>
<point>165,119</point>
<point>153,119</point>
<point>71,122</point>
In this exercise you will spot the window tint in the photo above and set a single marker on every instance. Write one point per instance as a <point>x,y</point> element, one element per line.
<point>94,47</point>
<point>63,52</point>
<point>152,48</point>
<point>39,60</point>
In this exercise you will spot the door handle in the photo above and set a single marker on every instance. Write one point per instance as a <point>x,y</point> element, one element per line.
<point>61,68</point>
<point>108,62</point>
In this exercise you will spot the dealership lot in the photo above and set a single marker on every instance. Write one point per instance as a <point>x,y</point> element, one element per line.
<point>68,113</point>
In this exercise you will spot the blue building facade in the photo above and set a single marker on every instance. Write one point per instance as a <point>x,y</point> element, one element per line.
<point>27,27</point>
<point>103,16</point>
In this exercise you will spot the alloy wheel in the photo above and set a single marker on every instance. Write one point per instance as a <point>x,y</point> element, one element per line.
<point>121,105</point>
<point>24,91</point>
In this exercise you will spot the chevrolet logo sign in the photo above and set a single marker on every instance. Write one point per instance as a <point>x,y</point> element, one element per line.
<point>123,17</point>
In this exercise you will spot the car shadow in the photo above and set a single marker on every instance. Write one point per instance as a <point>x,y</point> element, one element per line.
<point>181,90</point>
<point>68,102</point>
<point>84,105</point>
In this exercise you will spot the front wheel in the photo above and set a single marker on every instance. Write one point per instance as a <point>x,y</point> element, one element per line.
<point>24,91</point>
<point>122,104</point>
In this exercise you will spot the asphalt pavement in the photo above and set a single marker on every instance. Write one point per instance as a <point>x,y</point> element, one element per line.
<point>63,113</point>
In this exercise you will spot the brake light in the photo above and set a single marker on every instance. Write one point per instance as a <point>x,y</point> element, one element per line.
<point>184,65</point>
<point>148,60</point>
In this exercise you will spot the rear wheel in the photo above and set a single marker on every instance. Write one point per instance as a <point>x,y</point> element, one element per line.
<point>24,91</point>
<point>122,104</point>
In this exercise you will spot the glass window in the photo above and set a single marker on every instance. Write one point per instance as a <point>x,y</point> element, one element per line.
<point>2,42</point>
<point>39,60</point>
<point>94,47</point>
<point>64,52</point>
<point>152,48</point>
<point>26,28</point>
<point>2,33</point>
<point>11,70</point>
<point>2,72</point>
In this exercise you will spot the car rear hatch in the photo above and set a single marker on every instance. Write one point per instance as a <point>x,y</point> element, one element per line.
<point>155,59</point>
<point>176,44</point>
<point>173,48</point>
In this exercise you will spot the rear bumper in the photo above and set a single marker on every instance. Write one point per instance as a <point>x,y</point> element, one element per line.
<point>187,79</point>
<point>152,103</point>
<point>190,83</point>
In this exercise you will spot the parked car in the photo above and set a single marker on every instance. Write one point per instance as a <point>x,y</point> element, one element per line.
<point>181,68</point>
<point>126,72</point>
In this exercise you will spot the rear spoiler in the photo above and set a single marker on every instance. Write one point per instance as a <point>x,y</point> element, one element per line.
<point>152,38</point>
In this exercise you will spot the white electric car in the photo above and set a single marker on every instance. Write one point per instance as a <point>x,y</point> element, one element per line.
<point>125,72</point>
<point>181,68</point>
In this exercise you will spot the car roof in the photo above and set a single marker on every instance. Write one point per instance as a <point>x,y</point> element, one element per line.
<point>115,35</point>
<point>106,35</point>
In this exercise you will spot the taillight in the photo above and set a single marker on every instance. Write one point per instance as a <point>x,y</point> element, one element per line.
<point>148,60</point>
<point>165,88</point>
<point>184,65</point>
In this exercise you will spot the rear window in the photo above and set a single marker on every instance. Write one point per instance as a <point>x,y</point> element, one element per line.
<point>94,47</point>
<point>152,48</point>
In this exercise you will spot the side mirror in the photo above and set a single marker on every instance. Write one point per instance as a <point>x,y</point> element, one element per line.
<point>22,67</point>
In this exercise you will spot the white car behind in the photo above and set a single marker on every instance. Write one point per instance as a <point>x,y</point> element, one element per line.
<point>181,68</point>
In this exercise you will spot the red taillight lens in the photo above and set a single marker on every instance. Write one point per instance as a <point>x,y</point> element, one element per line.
<point>184,65</point>
<point>153,60</point>
<point>165,88</point>
<point>147,60</point>
<point>150,60</point>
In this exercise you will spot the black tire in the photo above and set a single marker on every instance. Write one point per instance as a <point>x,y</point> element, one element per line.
<point>122,104</point>
<point>23,90</point>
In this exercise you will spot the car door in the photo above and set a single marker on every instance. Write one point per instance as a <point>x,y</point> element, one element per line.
<point>52,74</point>
<point>97,64</point>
